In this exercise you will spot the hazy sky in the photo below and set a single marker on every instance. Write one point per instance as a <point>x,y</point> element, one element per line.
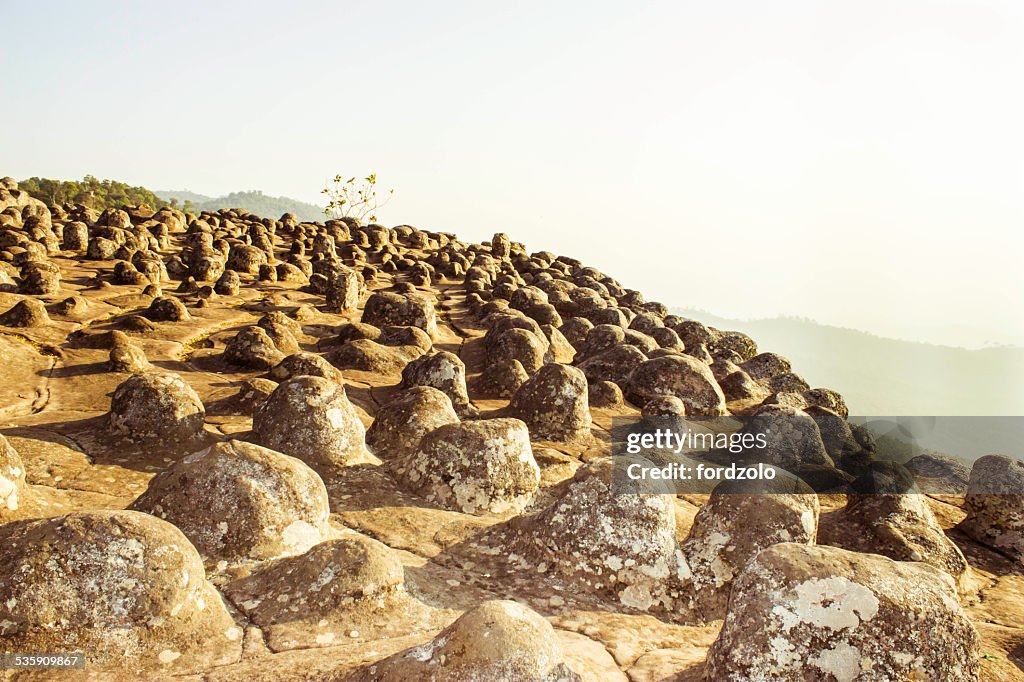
<point>860,163</point>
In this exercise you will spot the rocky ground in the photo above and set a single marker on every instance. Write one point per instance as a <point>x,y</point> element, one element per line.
<point>245,449</point>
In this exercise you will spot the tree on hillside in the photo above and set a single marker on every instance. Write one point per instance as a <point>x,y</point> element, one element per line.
<point>98,194</point>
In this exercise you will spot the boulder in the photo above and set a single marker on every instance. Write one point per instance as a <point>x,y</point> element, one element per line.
<point>253,348</point>
<point>445,372</point>
<point>311,418</point>
<point>256,503</point>
<point>498,641</point>
<point>477,467</point>
<point>387,309</point>
<point>798,612</point>
<point>167,309</point>
<point>402,422</point>
<point>28,312</point>
<point>682,376</point>
<point>124,587</point>
<point>995,505</point>
<point>156,407</point>
<point>554,404</point>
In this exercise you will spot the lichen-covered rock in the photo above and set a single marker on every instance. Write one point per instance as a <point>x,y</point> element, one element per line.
<point>12,479</point>
<point>939,474</point>
<point>251,394</point>
<point>167,309</point>
<point>995,504</point>
<point>157,407</point>
<point>682,376</point>
<point>28,312</point>
<point>40,278</point>
<point>901,527</point>
<point>445,372</point>
<point>474,467</point>
<point>554,404</point>
<point>664,406</point>
<point>498,641</point>
<point>522,345</point>
<point>501,379</point>
<point>124,355</point>
<point>339,587</point>
<point>401,423</point>
<point>253,348</point>
<point>388,309</point>
<point>246,259</point>
<point>309,364</point>
<point>622,546</point>
<point>614,364</point>
<point>311,418</point>
<point>342,292</point>
<point>791,438</point>
<point>765,366</point>
<point>125,587</point>
<point>256,503</point>
<point>604,394</point>
<point>371,356</point>
<point>797,611</point>
<point>739,520</point>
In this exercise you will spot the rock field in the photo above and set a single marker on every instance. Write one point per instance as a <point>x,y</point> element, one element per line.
<point>237,448</point>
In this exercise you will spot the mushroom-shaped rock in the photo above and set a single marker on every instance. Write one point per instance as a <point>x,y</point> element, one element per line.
<point>256,503</point>
<point>352,584</point>
<point>29,312</point>
<point>522,345</point>
<point>791,438</point>
<point>370,356</point>
<point>311,418</point>
<point>498,641</point>
<point>682,376</point>
<point>798,612</point>
<point>12,478</point>
<point>253,348</point>
<point>401,423</point>
<point>445,372</point>
<point>554,404</point>
<point>619,545</point>
<point>614,364</point>
<point>995,504</point>
<point>474,467</point>
<point>40,278</point>
<point>125,587</point>
<point>156,406</point>
<point>388,309</point>
<point>604,394</point>
<point>342,292</point>
<point>739,520</point>
<point>901,527</point>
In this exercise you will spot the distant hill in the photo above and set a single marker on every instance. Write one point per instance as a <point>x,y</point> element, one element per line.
<point>880,376</point>
<point>91,191</point>
<point>254,200</point>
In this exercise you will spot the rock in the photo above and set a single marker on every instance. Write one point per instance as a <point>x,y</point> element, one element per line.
<point>517,344</point>
<point>100,248</point>
<point>28,312</point>
<point>12,479</point>
<point>791,438</point>
<point>554,404</point>
<point>252,348</point>
<point>621,546</point>
<point>125,356</point>
<point>370,356</point>
<point>445,372</point>
<point>401,423</point>
<point>501,245</point>
<point>342,291</point>
<point>665,406</point>
<point>319,598</point>
<point>498,641</point>
<point>75,236</point>
<point>229,284</point>
<point>604,394</point>
<point>615,364</point>
<point>939,474</point>
<point>252,394</point>
<point>797,611</point>
<point>311,418</point>
<point>245,259</point>
<point>282,330</point>
<point>167,309</point>
<point>257,504</point>
<point>901,527</point>
<point>765,366</point>
<point>687,379</point>
<point>40,278</point>
<point>309,364</point>
<point>995,505</point>
<point>157,407</point>
<point>501,379</point>
<point>740,519</point>
<point>125,587</point>
<point>387,309</point>
<point>473,467</point>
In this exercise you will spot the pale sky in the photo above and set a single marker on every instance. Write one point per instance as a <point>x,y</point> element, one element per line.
<point>860,163</point>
